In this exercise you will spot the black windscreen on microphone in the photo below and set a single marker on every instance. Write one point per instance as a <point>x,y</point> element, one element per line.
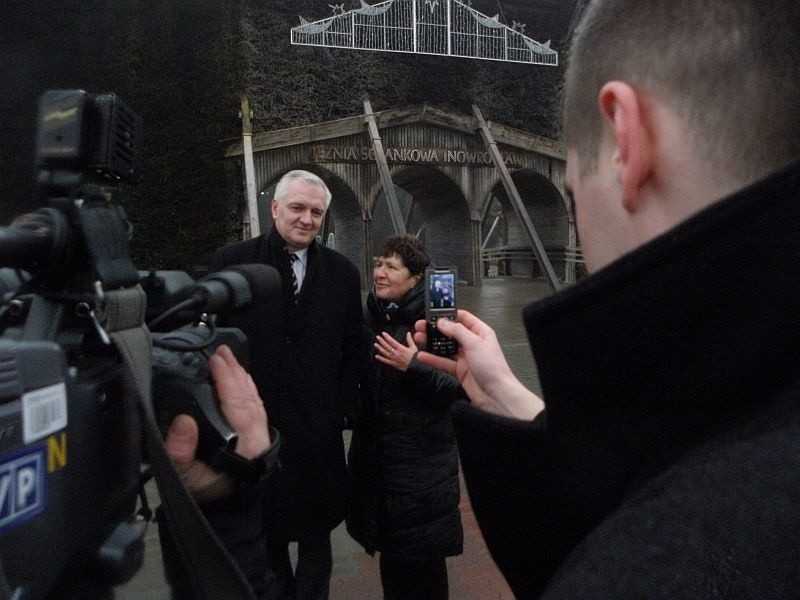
<point>264,280</point>
<point>237,286</point>
<point>230,289</point>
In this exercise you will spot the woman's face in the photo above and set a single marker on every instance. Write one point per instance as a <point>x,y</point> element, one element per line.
<point>392,278</point>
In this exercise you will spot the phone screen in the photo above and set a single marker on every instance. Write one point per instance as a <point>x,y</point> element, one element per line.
<point>440,302</point>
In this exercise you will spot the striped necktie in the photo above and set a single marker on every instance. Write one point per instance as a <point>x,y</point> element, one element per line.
<point>295,285</point>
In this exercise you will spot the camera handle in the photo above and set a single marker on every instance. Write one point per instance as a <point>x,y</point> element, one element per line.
<point>205,558</point>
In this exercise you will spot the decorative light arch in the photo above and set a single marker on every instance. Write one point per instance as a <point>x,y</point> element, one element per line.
<point>440,27</point>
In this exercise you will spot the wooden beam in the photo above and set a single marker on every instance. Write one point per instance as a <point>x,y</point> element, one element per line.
<point>249,172</point>
<point>527,141</point>
<point>516,201</point>
<point>392,118</point>
<point>383,168</point>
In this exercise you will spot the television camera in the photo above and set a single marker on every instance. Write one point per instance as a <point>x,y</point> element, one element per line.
<point>76,357</point>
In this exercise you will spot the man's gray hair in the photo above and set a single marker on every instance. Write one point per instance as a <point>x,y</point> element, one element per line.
<point>306,176</point>
<point>729,68</point>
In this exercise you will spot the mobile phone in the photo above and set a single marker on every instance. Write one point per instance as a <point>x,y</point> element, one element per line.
<point>440,302</point>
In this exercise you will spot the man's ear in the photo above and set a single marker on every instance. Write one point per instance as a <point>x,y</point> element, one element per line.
<point>621,107</point>
<point>273,207</point>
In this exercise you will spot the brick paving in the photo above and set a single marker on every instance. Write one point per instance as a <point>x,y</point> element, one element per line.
<point>472,575</point>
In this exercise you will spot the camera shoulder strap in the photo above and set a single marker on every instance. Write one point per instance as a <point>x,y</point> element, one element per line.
<point>211,568</point>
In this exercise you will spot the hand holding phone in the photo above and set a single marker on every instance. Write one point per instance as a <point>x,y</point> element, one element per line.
<point>440,302</point>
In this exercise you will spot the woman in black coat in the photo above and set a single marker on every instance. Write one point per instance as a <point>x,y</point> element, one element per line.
<point>403,458</point>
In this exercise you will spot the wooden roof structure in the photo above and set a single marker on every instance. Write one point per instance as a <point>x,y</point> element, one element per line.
<point>385,119</point>
<point>421,168</point>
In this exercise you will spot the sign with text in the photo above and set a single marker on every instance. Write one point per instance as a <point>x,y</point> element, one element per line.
<point>323,154</point>
<point>22,486</point>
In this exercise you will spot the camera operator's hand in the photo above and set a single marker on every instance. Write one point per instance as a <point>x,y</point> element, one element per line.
<point>481,368</point>
<point>244,410</point>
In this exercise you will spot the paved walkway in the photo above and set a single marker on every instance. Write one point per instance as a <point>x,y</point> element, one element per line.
<point>473,575</point>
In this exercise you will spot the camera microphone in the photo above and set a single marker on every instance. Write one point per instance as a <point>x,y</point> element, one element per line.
<point>232,288</point>
<point>235,287</point>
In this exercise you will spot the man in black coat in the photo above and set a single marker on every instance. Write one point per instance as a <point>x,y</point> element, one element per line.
<point>667,461</point>
<point>305,353</point>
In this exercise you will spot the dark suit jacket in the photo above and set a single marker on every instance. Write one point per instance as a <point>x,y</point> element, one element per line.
<point>304,359</point>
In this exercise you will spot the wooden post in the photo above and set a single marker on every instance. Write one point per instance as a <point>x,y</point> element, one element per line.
<point>572,247</point>
<point>383,168</point>
<point>249,170</point>
<point>491,231</point>
<point>366,281</point>
<point>516,201</point>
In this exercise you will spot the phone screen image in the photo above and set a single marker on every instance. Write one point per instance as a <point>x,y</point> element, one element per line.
<point>440,302</point>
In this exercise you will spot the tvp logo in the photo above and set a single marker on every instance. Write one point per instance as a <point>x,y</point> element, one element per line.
<point>22,486</point>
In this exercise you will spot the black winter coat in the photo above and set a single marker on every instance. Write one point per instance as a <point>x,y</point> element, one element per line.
<point>403,458</point>
<point>305,360</point>
<point>668,463</point>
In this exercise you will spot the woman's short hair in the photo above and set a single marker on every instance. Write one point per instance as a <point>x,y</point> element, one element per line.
<point>409,249</point>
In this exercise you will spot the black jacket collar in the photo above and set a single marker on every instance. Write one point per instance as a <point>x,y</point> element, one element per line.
<point>277,245</point>
<point>680,335</point>
<point>406,310</point>
<point>278,256</point>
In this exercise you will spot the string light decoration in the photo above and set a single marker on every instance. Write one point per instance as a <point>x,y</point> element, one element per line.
<point>440,27</point>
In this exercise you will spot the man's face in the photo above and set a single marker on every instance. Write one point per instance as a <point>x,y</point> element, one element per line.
<point>597,210</point>
<point>298,215</point>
